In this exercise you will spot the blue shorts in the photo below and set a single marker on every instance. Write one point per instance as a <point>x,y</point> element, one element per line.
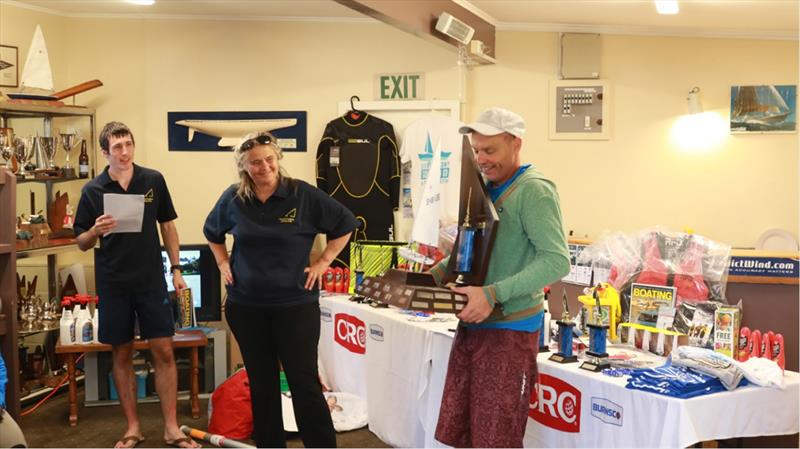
<point>119,309</point>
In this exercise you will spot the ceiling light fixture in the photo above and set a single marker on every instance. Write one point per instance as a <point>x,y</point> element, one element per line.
<point>667,7</point>
<point>142,2</point>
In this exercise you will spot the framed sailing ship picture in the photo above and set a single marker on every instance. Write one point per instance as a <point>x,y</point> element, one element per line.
<point>9,66</point>
<point>763,109</point>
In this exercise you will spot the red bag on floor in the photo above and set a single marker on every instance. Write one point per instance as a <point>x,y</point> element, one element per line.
<point>231,414</point>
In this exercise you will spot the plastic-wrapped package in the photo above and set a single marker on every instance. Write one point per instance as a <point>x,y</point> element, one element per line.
<point>709,362</point>
<point>697,321</point>
<point>763,372</point>
<point>696,266</point>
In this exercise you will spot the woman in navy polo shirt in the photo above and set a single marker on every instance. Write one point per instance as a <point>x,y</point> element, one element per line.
<point>273,288</point>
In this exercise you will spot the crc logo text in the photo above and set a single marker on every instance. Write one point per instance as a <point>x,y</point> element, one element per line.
<point>350,332</point>
<point>556,404</point>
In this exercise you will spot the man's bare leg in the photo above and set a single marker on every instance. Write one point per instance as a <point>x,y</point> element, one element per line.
<point>126,389</point>
<point>167,387</point>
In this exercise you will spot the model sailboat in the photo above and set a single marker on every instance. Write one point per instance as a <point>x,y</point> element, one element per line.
<point>37,77</point>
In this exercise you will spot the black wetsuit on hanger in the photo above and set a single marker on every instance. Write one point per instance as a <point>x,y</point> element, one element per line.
<point>358,165</point>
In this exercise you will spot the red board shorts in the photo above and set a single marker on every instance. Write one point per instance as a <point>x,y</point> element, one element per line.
<point>488,388</point>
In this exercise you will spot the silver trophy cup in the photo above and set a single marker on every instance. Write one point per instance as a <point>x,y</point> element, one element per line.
<point>68,142</point>
<point>7,145</point>
<point>23,150</point>
<point>49,146</point>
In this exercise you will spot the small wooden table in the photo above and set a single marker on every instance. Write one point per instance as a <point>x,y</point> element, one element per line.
<point>183,339</point>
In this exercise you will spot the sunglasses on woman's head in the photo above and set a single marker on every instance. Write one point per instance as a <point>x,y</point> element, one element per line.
<point>261,140</point>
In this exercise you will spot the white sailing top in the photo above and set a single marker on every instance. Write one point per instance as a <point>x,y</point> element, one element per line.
<point>419,141</point>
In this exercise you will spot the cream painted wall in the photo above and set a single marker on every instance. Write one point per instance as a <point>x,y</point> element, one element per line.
<point>639,178</point>
<point>634,180</point>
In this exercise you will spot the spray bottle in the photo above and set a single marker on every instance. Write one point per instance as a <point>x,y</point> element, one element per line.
<point>766,345</point>
<point>755,343</point>
<point>327,280</point>
<point>345,281</point>
<point>66,326</point>
<point>744,344</point>
<point>337,280</point>
<point>83,323</point>
<point>778,351</point>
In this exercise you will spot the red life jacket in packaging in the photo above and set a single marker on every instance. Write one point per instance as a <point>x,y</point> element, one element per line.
<point>685,273</point>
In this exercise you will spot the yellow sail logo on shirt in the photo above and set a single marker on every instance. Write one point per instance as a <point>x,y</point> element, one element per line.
<point>289,217</point>
<point>148,197</point>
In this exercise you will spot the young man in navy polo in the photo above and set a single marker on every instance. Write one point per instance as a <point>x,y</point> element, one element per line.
<point>129,277</point>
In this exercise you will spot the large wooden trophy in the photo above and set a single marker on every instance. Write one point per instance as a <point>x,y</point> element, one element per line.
<point>468,263</point>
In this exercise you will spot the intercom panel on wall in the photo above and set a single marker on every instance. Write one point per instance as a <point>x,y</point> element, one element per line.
<point>579,110</point>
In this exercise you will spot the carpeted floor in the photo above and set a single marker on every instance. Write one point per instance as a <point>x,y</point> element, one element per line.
<point>48,426</point>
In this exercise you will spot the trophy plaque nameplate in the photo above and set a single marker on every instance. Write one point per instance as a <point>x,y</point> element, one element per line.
<point>410,290</point>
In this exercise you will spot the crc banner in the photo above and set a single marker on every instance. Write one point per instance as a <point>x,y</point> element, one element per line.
<point>556,404</point>
<point>350,333</point>
<point>343,346</point>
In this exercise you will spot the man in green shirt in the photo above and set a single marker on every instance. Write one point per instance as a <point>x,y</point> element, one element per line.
<point>492,368</point>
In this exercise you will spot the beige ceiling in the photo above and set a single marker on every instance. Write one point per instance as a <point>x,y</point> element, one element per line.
<point>732,18</point>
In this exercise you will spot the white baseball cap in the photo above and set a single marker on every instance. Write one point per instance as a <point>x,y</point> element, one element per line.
<point>495,121</point>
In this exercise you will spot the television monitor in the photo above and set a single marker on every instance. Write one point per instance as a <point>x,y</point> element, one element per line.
<point>201,275</point>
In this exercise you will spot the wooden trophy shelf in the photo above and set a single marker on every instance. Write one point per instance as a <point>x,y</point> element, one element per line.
<point>12,249</point>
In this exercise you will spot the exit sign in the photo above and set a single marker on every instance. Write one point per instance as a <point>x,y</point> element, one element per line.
<point>400,86</point>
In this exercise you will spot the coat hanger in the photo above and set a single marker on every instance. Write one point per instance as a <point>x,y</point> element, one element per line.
<point>355,114</point>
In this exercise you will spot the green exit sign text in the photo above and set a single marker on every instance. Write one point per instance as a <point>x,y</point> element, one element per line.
<point>400,86</point>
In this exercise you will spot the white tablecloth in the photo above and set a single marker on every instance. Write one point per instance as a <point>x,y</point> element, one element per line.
<point>379,355</point>
<point>399,367</point>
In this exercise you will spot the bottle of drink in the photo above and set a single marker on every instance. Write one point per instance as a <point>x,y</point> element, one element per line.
<point>83,161</point>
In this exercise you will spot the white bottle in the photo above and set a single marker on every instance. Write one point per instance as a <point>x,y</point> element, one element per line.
<point>83,327</point>
<point>96,320</point>
<point>66,326</point>
<point>547,318</point>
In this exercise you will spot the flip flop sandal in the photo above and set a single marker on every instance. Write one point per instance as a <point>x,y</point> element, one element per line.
<point>178,441</point>
<point>136,440</point>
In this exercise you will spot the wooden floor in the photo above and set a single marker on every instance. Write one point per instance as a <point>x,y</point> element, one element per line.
<point>102,426</point>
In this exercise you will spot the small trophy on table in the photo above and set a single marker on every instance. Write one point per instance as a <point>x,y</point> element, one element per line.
<point>565,325</point>
<point>598,357</point>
